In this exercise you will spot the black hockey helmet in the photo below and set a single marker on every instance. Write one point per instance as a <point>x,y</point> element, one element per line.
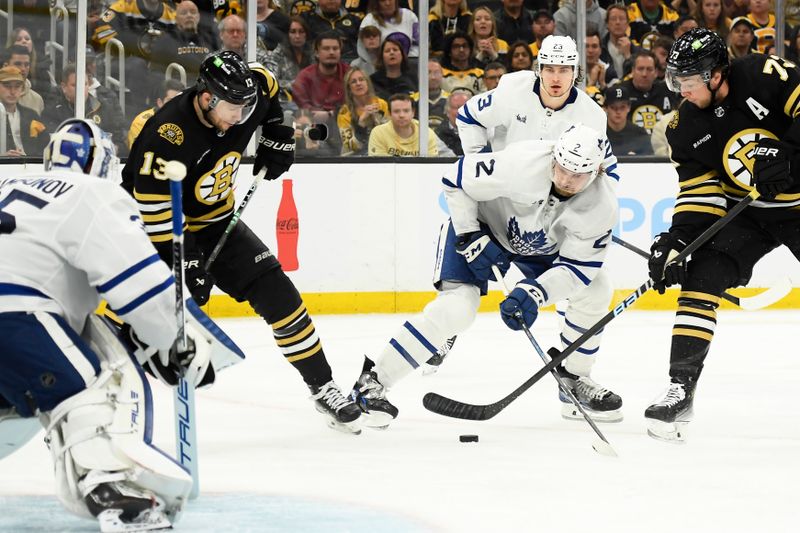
<point>227,77</point>
<point>698,51</point>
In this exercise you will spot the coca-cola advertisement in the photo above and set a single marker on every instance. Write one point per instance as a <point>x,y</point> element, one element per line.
<point>287,229</point>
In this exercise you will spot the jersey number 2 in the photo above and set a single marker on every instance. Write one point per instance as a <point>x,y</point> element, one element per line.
<point>8,222</point>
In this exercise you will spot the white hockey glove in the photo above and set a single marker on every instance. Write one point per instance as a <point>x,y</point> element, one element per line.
<point>193,364</point>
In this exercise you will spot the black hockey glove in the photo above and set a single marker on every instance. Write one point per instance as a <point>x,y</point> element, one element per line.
<point>481,253</point>
<point>663,271</point>
<point>275,150</point>
<point>772,167</point>
<point>197,279</point>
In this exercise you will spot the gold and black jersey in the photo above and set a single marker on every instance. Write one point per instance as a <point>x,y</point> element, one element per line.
<point>647,107</point>
<point>175,132</point>
<point>712,148</point>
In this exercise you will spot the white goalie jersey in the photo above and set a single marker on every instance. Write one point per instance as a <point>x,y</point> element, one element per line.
<point>513,112</point>
<point>54,229</point>
<point>511,192</point>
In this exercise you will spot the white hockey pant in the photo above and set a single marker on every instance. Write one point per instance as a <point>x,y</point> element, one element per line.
<point>451,313</point>
<point>99,435</point>
<point>584,309</point>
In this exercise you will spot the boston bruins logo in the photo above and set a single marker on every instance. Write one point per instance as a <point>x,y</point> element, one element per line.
<point>646,116</point>
<point>216,184</point>
<point>738,155</point>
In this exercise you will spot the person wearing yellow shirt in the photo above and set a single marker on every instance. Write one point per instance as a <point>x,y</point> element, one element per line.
<point>400,136</point>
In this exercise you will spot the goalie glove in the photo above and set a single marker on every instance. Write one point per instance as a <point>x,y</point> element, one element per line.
<point>193,364</point>
<point>481,253</point>
<point>663,271</point>
<point>772,167</point>
<point>275,150</point>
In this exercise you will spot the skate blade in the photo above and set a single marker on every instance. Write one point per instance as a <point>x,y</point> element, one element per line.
<point>570,412</point>
<point>671,432</point>
<point>350,428</point>
<point>152,520</point>
<point>376,420</point>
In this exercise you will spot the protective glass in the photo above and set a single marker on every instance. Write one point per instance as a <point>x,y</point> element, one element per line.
<point>569,182</point>
<point>679,83</point>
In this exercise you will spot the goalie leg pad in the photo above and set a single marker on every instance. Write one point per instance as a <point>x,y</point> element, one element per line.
<point>585,308</point>
<point>452,312</point>
<point>104,433</point>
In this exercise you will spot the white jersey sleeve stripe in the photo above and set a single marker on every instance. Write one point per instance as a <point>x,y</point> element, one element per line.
<point>466,117</point>
<point>73,354</point>
<point>127,273</point>
<point>578,274</point>
<point>12,289</point>
<point>161,287</point>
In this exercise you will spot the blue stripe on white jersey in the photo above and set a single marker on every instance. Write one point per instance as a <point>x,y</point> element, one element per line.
<point>466,117</point>
<point>127,273</point>
<point>12,289</point>
<point>145,296</point>
<point>578,267</point>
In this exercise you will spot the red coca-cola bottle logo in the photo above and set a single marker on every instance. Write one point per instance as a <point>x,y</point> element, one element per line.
<point>287,229</point>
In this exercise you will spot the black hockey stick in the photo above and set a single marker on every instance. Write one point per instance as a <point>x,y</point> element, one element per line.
<point>603,447</point>
<point>751,303</point>
<point>455,409</point>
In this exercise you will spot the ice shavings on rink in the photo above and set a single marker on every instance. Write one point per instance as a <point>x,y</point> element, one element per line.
<point>268,463</point>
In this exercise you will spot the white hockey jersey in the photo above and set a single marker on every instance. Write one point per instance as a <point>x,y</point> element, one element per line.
<point>514,112</point>
<point>67,239</point>
<point>511,192</point>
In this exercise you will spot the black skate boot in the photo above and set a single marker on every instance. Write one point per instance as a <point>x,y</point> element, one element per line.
<point>600,404</point>
<point>370,396</point>
<point>341,412</point>
<point>432,365</point>
<point>120,507</point>
<point>669,416</point>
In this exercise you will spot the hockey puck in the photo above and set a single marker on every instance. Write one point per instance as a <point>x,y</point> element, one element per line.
<point>468,438</point>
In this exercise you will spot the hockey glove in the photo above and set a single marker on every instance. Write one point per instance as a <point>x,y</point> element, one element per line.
<point>197,279</point>
<point>772,167</point>
<point>481,253</point>
<point>519,307</point>
<point>663,271</point>
<point>275,150</point>
<point>193,364</point>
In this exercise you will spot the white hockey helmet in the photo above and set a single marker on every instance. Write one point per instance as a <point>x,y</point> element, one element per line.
<point>580,150</point>
<point>558,50</point>
<point>80,146</point>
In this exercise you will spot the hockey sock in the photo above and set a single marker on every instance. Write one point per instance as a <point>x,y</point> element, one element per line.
<point>298,340</point>
<point>695,322</point>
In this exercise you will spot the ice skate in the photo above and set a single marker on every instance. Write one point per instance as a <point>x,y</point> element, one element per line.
<point>370,396</point>
<point>341,412</point>
<point>120,508</point>
<point>432,365</point>
<point>668,418</point>
<point>600,404</point>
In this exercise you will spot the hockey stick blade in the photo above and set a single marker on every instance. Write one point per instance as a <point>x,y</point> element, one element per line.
<point>441,405</point>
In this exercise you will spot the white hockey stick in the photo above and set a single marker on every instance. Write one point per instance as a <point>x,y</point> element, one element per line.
<point>183,393</point>
<point>601,446</point>
<point>749,303</point>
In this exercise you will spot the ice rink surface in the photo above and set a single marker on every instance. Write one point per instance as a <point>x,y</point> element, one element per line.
<point>268,463</point>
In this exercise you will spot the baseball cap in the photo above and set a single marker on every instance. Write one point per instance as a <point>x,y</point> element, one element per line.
<point>11,74</point>
<point>616,93</point>
<point>743,20</point>
<point>542,13</point>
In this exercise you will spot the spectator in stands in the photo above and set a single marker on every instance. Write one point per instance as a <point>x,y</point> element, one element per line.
<point>598,73</point>
<point>39,75</point>
<point>233,34</point>
<point>764,23</point>
<point>392,73</point>
<point>186,46</point>
<point>492,74</point>
<point>19,56</point>
<point>369,48</point>
<point>648,19</point>
<point>684,24</point>
<point>742,38</point>
<point>319,88</point>
<point>791,53</point>
<point>329,15</point>
<point>447,131</point>
<point>514,22</point>
<point>711,14</point>
<point>400,136</point>
<point>649,97</point>
<point>483,31</point>
<point>437,98</point>
<point>63,107</point>
<point>34,15</point>
<point>169,89</point>
<point>213,11</point>
<point>617,47</point>
<point>361,112</point>
<point>389,18</point>
<point>289,58</point>
<point>460,68</point>
<point>626,138</point>
<point>567,18</point>
<point>308,147</point>
<point>25,133</point>
<point>661,48</point>
<point>543,25</point>
<point>736,8</point>
<point>272,25</point>
<point>519,57</point>
<point>445,18</point>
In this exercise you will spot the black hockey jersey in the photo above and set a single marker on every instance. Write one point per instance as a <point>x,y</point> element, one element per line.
<point>712,147</point>
<point>212,160</point>
<point>649,106</point>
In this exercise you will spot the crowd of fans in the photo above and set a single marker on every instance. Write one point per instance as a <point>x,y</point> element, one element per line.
<point>353,65</point>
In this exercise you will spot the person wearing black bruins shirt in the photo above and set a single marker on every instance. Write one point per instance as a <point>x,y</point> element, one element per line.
<point>738,129</point>
<point>207,127</point>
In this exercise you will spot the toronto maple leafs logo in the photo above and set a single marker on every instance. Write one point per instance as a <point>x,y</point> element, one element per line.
<point>528,243</point>
<point>522,118</point>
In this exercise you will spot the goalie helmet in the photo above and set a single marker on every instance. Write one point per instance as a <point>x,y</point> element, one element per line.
<point>80,146</point>
<point>580,150</point>
<point>558,50</point>
<point>697,52</point>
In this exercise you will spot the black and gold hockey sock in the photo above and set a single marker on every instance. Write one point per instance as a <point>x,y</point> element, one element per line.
<point>692,333</point>
<point>298,340</point>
